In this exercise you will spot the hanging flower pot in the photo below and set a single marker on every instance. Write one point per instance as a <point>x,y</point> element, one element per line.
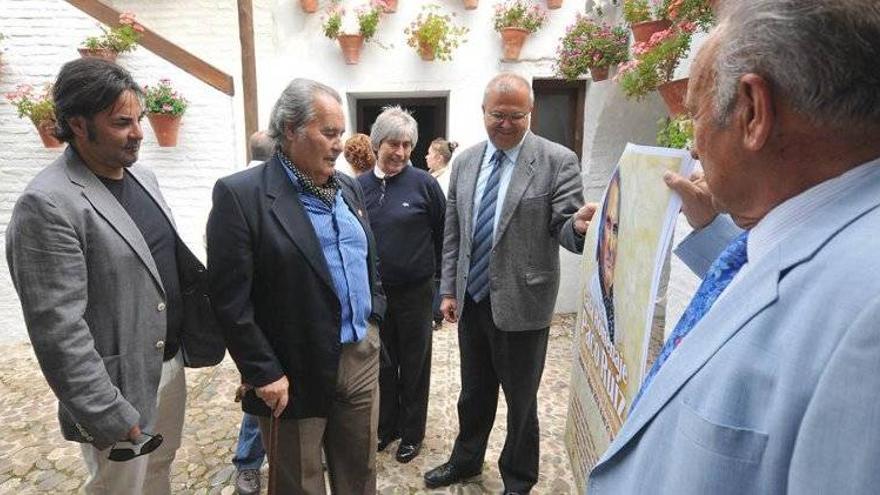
<point>426,52</point>
<point>165,127</point>
<point>471,4</point>
<point>643,31</point>
<point>351,45</point>
<point>46,129</point>
<point>512,40</point>
<point>599,73</point>
<point>674,93</point>
<point>389,6</point>
<point>309,6</point>
<point>102,53</point>
<point>554,4</point>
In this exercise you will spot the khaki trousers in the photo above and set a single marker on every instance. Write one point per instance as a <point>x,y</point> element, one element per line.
<point>149,474</point>
<point>347,435</point>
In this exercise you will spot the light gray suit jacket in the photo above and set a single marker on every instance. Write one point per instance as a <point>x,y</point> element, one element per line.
<point>775,390</point>
<point>537,213</point>
<point>92,298</point>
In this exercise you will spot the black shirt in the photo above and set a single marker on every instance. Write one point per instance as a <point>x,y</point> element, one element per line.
<point>407,212</point>
<point>162,240</point>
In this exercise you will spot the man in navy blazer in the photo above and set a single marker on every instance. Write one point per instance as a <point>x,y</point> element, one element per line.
<point>774,389</point>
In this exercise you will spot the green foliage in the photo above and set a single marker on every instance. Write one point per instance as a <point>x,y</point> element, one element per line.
<point>368,17</point>
<point>524,14</point>
<point>36,107</point>
<point>676,133</point>
<point>436,30</point>
<point>655,62</point>
<point>120,39</point>
<point>333,22</point>
<point>696,11</point>
<point>368,20</point>
<point>164,99</point>
<point>636,11</point>
<point>588,44</point>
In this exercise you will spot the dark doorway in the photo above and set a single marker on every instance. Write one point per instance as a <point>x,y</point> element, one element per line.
<point>559,112</point>
<point>430,114</point>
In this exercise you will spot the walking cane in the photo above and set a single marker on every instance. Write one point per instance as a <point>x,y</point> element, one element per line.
<point>273,448</point>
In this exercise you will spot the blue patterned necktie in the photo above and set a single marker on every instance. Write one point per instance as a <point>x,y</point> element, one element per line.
<point>717,279</point>
<point>484,228</point>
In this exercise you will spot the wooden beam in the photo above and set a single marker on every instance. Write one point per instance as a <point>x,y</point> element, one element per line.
<point>186,61</point>
<point>248,68</point>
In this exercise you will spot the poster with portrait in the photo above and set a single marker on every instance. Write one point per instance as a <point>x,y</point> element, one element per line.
<point>615,340</point>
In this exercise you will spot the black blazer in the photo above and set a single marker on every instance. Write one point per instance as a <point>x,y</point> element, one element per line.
<point>271,288</point>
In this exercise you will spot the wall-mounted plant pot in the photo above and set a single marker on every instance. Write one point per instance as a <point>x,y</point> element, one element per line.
<point>674,93</point>
<point>599,73</point>
<point>46,129</point>
<point>471,4</point>
<point>309,6</point>
<point>102,53</point>
<point>512,40</point>
<point>426,52</point>
<point>554,4</point>
<point>165,127</point>
<point>351,45</point>
<point>642,31</point>
<point>390,6</point>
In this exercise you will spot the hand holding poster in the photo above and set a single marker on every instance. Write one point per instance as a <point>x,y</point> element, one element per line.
<point>614,342</point>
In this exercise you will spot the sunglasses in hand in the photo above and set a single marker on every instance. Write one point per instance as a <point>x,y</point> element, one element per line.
<point>125,450</point>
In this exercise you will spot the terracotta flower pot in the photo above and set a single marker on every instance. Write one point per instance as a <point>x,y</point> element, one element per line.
<point>674,93</point>
<point>513,40</point>
<point>351,45</point>
<point>46,130</point>
<point>554,4</point>
<point>390,6</point>
<point>309,6</point>
<point>102,53</point>
<point>642,31</point>
<point>426,51</point>
<point>599,73</point>
<point>165,127</point>
<point>471,4</point>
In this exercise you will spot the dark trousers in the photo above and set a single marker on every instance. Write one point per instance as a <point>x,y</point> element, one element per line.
<point>405,379</point>
<point>514,360</point>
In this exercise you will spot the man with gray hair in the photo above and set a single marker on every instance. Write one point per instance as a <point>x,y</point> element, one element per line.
<point>407,208</point>
<point>513,200</point>
<point>292,269</point>
<point>768,383</point>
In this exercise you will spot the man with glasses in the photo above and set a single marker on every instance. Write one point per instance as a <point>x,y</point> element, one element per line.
<point>512,200</point>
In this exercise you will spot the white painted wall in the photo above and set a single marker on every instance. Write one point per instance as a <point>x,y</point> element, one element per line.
<point>43,34</point>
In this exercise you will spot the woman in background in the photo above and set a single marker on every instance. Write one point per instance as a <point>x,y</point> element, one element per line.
<point>359,154</point>
<point>439,153</point>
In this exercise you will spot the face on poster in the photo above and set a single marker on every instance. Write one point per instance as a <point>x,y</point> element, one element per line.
<point>625,249</point>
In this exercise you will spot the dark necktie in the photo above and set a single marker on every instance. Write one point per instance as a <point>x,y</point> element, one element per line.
<point>716,280</point>
<point>484,228</point>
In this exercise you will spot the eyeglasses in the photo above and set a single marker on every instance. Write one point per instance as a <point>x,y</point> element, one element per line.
<point>512,117</point>
<point>125,451</point>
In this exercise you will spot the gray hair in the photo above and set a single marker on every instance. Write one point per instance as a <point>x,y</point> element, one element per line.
<point>819,55</point>
<point>261,146</point>
<point>394,123</point>
<point>506,82</point>
<point>296,107</point>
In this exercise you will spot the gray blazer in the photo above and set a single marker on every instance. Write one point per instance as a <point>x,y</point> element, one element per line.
<point>545,191</point>
<point>93,301</point>
<point>775,390</point>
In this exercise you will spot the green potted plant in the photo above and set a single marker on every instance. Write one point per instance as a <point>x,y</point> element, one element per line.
<point>654,67</point>
<point>676,132</point>
<point>337,26</point>
<point>515,20</point>
<point>164,108</point>
<point>646,17</point>
<point>434,34</point>
<point>39,108</point>
<point>591,45</point>
<point>119,39</point>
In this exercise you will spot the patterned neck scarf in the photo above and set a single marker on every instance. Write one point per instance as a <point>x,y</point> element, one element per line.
<point>326,192</point>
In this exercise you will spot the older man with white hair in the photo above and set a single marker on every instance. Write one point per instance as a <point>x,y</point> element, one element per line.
<point>768,383</point>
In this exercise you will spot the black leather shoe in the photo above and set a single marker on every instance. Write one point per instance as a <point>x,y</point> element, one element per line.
<point>408,451</point>
<point>384,442</point>
<point>447,474</point>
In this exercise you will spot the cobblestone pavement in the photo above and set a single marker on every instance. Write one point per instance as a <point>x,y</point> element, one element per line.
<point>35,459</point>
